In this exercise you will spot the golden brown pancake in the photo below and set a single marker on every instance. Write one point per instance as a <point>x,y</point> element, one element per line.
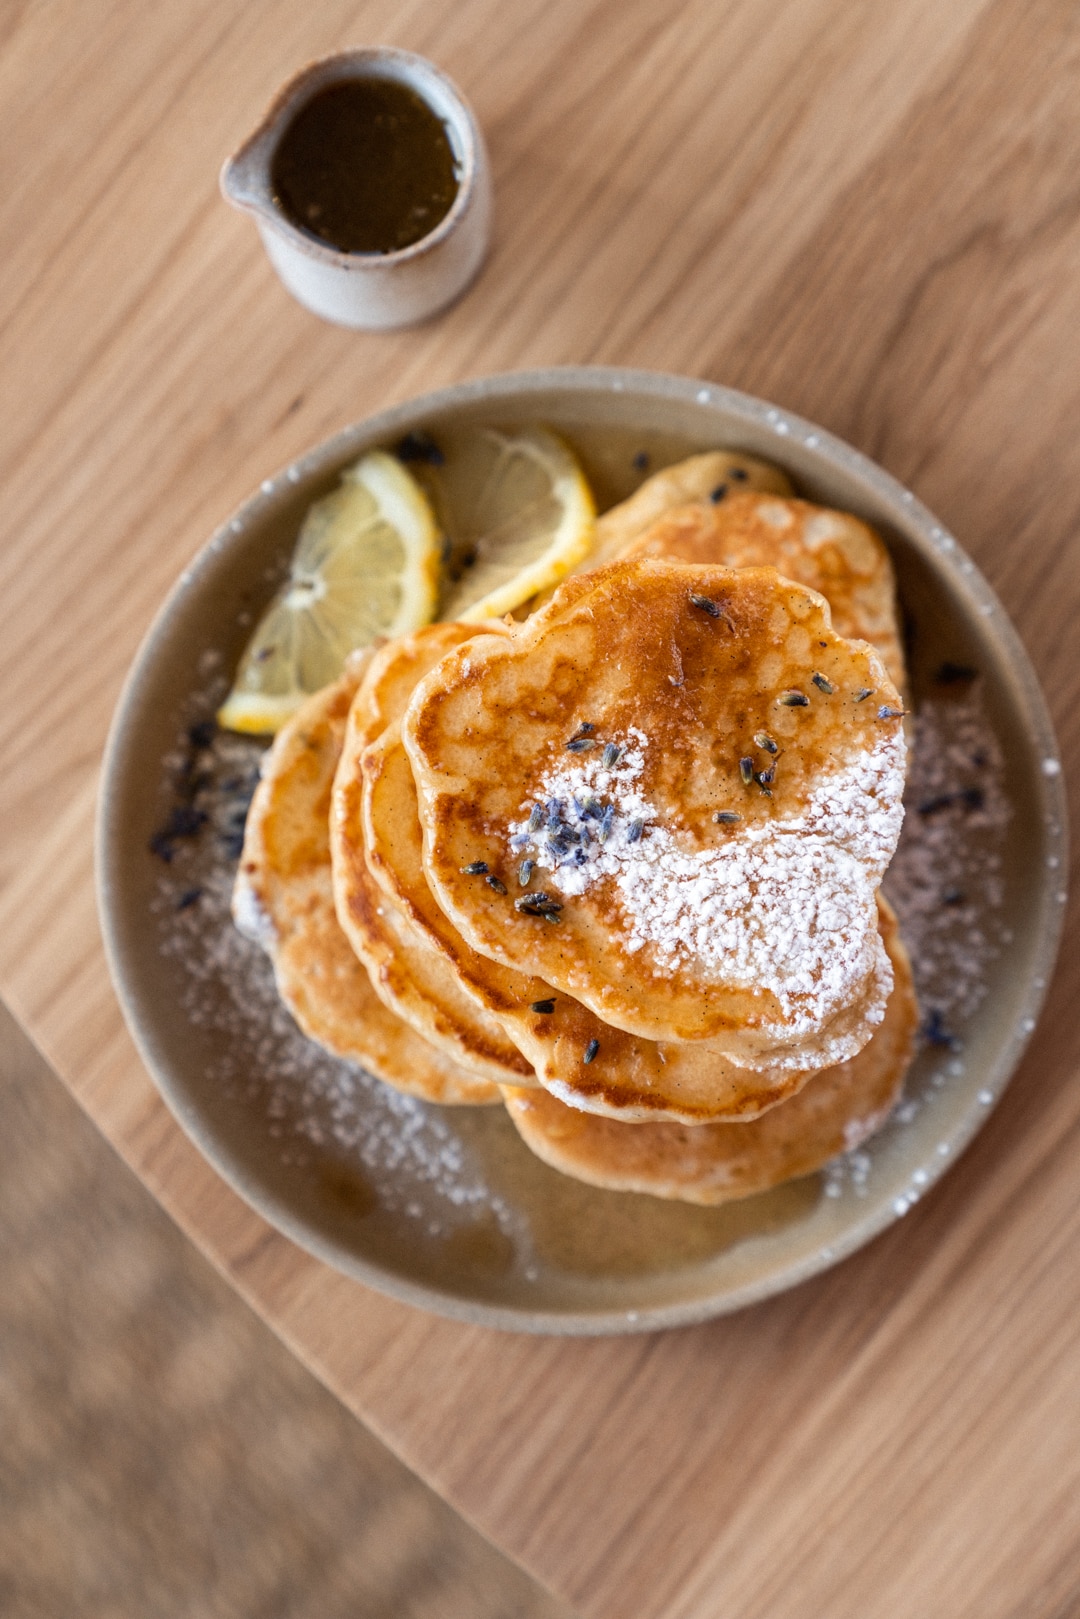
<point>828,551</point>
<point>394,845</point>
<point>397,665</point>
<point>284,900</point>
<point>597,1068</point>
<point>636,1078</point>
<point>409,976</point>
<point>698,478</point>
<point>603,739</point>
<point>836,1110</point>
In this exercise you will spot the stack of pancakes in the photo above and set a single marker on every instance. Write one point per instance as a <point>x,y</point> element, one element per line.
<point>617,865</point>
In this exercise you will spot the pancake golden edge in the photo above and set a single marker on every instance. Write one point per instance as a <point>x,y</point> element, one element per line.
<point>409,977</point>
<point>837,1110</point>
<point>390,835</point>
<point>283,900</point>
<point>832,552</point>
<point>655,651</point>
<point>697,478</point>
<point>636,1079</point>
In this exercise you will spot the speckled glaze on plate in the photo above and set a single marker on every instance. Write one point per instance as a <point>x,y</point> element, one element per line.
<point>445,1208</point>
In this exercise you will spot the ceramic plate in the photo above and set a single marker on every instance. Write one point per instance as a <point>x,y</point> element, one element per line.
<point>445,1208</point>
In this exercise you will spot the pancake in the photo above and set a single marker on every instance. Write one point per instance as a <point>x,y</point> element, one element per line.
<point>831,552</point>
<point>283,899</point>
<point>637,1079</point>
<point>394,846</point>
<point>397,665</point>
<point>698,478</point>
<point>406,973</point>
<point>758,934</point>
<point>837,1110</point>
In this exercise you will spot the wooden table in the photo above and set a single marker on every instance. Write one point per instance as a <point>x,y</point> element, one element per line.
<point>869,212</point>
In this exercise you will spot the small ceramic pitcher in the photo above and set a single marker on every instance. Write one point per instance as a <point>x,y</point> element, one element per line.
<point>370,290</point>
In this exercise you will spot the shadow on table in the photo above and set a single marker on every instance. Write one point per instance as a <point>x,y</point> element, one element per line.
<point>163,1453</point>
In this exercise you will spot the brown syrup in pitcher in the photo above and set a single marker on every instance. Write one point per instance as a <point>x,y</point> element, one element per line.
<point>366,166</point>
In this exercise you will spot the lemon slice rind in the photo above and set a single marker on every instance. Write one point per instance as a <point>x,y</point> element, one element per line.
<point>561,546</point>
<point>365,565</point>
<point>408,510</point>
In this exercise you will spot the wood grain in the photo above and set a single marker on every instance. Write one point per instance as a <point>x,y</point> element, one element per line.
<point>868,213</point>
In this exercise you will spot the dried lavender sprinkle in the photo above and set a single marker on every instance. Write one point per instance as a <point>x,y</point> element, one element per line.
<point>952,674</point>
<point>312,1109</point>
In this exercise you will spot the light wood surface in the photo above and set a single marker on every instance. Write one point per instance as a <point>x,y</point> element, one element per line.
<point>870,214</point>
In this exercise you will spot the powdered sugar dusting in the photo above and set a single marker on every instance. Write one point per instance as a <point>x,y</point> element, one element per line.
<point>250,915</point>
<point>947,886</point>
<point>786,905</point>
<point>420,1161</point>
<point>946,883</point>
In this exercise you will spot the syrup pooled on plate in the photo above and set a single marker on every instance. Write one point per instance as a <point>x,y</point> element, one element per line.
<point>366,166</point>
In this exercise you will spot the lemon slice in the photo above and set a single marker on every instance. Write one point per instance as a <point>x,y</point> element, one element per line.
<point>366,564</point>
<point>518,514</point>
